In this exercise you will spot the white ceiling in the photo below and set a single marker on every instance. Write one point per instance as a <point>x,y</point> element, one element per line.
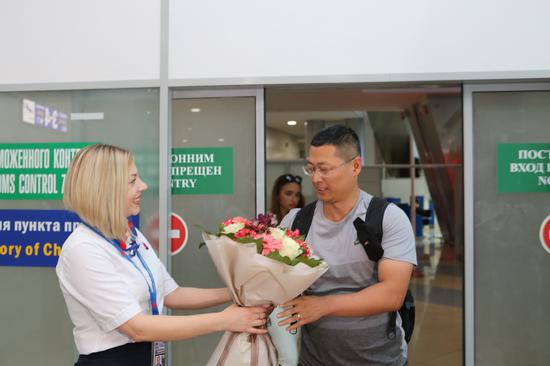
<point>336,103</point>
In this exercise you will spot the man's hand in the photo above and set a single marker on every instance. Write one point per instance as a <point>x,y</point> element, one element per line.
<point>302,310</point>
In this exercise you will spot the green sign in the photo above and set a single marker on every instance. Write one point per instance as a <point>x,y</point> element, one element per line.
<point>35,171</point>
<point>523,168</point>
<point>204,170</point>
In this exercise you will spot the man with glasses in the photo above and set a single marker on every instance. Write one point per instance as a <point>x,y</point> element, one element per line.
<point>344,316</point>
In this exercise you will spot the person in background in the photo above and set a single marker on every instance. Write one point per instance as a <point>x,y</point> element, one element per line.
<point>114,285</point>
<point>286,195</point>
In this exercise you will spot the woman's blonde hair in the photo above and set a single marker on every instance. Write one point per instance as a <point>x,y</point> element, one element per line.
<point>96,186</point>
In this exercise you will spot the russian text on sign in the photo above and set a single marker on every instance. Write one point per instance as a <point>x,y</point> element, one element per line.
<point>192,158</point>
<point>62,157</point>
<point>534,154</point>
<point>527,168</point>
<point>43,226</point>
<point>196,170</point>
<point>24,158</point>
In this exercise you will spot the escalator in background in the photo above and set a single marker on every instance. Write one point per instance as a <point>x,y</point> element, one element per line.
<point>436,126</point>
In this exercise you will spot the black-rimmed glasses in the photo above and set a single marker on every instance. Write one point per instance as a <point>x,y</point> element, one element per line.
<point>323,171</point>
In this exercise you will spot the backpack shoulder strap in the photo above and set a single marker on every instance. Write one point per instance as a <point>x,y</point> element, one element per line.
<point>370,231</point>
<point>374,218</point>
<point>304,217</point>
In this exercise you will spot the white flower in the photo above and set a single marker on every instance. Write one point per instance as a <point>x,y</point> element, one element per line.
<point>290,248</point>
<point>233,228</point>
<point>277,233</point>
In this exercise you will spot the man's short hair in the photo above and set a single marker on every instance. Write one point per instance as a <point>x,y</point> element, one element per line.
<point>343,138</point>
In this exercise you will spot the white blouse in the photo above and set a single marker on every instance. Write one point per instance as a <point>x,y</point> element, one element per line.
<point>103,290</point>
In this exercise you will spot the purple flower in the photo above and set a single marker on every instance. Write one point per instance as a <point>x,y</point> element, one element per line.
<point>267,220</point>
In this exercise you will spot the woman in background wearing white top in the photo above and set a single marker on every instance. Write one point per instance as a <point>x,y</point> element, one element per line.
<point>113,282</point>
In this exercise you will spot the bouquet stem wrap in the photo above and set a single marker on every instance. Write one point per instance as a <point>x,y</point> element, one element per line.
<point>244,349</point>
<point>254,280</point>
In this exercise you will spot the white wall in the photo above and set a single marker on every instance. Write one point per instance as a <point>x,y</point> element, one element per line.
<point>280,146</point>
<point>79,40</point>
<point>385,40</point>
<point>249,42</point>
<point>401,187</point>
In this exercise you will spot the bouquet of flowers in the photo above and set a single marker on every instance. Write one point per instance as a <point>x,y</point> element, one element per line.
<point>261,264</point>
<point>280,244</point>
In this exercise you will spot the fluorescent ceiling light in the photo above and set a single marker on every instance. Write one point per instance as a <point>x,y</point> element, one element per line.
<point>195,110</point>
<point>87,116</point>
<point>291,123</point>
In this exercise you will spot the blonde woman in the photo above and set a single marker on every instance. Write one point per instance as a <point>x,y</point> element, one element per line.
<point>114,284</point>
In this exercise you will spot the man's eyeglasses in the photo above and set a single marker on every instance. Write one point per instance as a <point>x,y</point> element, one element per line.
<point>293,178</point>
<point>323,171</point>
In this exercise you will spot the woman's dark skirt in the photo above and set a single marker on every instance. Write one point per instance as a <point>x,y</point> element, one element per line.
<point>130,354</point>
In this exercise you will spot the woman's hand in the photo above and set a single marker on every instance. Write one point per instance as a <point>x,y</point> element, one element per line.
<point>245,319</point>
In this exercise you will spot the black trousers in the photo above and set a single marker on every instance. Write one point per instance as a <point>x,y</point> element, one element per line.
<point>130,354</point>
<point>406,364</point>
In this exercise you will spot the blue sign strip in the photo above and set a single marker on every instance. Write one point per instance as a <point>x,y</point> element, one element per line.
<point>33,238</point>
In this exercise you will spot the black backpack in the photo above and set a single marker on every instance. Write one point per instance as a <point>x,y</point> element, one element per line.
<point>369,234</point>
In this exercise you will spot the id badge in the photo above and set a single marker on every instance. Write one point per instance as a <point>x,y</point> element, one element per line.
<point>159,354</point>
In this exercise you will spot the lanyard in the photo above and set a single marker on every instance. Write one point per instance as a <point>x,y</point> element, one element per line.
<point>129,252</point>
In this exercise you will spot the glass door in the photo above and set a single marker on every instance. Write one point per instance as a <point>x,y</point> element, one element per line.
<point>217,166</point>
<point>36,328</point>
<point>507,170</point>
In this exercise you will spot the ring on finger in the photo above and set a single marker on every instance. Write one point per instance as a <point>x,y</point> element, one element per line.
<point>299,316</point>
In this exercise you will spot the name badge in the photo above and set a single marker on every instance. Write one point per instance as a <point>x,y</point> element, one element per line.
<point>159,354</point>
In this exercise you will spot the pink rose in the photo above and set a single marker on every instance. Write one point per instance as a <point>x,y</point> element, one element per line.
<point>270,244</point>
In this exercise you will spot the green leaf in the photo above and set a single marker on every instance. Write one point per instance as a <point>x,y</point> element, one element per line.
<point>312,262</point>
<point>259,243</point>
<point>276,256</point>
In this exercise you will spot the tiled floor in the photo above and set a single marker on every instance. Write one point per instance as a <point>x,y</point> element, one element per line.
<point>438,290</point>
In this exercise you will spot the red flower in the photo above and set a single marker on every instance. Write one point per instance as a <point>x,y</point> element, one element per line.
<point>293,234</point>
<point>245,233</point>
<point>306,249</point>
